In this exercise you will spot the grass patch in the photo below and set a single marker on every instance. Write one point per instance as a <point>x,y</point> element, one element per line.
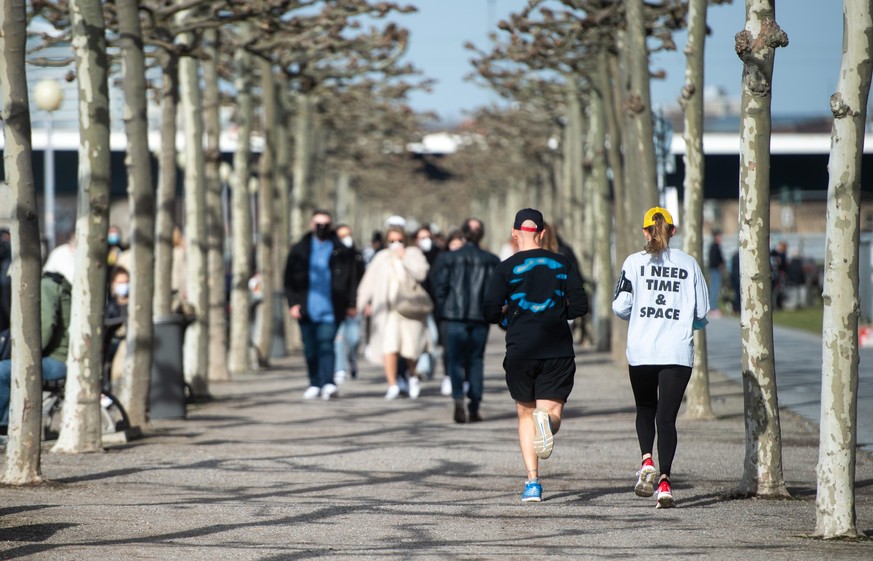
<point>807,319</point>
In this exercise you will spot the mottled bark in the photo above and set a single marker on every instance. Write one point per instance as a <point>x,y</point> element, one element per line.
<point>638,111</point>
<point>835,475</point>
<point>302,198</point>
<point>698,403</point>
<point>134,391</point>
<point>756,44</point>
<point>266,212</point>
<point>241,220</point>
<point>283,202</point>
<point>81,427</point>
<point>22,466</point>
<point>166,198</point>
<point>567,218</point>
<point>217,352</point>
<point>602,270</point>
<point>627,234</point>
<point>196,346</point>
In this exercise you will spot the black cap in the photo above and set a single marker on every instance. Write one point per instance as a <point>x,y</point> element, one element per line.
<point>531,214</point>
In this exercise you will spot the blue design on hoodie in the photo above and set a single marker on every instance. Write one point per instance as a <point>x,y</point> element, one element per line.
<point>528,265</point>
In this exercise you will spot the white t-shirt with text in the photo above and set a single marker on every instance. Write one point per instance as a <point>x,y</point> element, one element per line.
<point>668,299</point>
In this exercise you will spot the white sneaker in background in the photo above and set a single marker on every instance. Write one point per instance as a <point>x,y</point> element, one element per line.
<point>312,392</point>
<point>414,387</point>
<point>393,392</point>
<point>339,377</point>
<point>328,391</point>
<point>446,386</point>
<point>466,388</point>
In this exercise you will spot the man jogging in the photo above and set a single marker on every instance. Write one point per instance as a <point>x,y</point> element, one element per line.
<point>537,292</point>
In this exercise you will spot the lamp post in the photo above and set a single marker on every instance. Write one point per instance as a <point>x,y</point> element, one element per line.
<point>49,96</point>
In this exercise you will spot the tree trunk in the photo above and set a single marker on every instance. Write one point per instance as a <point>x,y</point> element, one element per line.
<point>835,475</point>
<point>166,202</point>
<point>81,429</point>
<point>267,206</point>
<point>241,219</point>
<point>134,390</point>
<point>756,47</point>
<point>572,182</point>
<point>302,199</point>
<point>217,353</point>
<point>698,404</point>
<point>196,345</point>
<point>602,270</point>
<point>283,201</point>
<point>25,427</point>
<point>638,110</point>
<point>626,232</point>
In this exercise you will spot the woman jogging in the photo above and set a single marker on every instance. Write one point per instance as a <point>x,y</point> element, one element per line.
<point>663,295</point>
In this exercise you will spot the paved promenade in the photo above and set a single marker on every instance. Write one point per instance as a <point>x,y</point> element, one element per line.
<point>798,371</point>
<point>259,474</point>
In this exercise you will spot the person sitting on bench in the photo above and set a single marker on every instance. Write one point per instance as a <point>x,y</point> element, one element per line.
<point>55,299</point>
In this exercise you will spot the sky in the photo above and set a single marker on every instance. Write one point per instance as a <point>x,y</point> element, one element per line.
<point>805,72</point>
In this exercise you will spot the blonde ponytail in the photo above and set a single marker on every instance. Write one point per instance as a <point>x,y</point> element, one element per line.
<point>659,235</point>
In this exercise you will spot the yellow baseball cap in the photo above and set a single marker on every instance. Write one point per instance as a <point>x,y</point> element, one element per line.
<point>649,219</point>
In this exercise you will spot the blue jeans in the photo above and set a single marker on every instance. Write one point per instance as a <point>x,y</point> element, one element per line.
<point>348,340</point>
<point>465,359</point>
<point>52,369</point>
<point>318,349</point>
<point>714,287</point>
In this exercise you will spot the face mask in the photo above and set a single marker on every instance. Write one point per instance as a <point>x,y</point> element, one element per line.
<point>425,244</point>
<point>322,231</point>
<point>113,239</point>
<point>395,245</point>
<point>121,289</point>
<point>347,241</point>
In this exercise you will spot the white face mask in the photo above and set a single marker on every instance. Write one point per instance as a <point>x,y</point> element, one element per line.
<point>395,245</point>
<point>122,289</point>
<point>347,241</point>
<point>425,244</point>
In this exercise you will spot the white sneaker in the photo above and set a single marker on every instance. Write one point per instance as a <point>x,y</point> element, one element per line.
<point>328,391</point>
<point>645,486</point>
<point>393,392</point>
<point>544,441</point>
<point>414,387</point>
<point>446,386</point>
<point>311,392</point>
<point>339,377</point>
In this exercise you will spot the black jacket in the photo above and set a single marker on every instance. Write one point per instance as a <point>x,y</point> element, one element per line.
<point>344,276</point>
<point>459,280</point>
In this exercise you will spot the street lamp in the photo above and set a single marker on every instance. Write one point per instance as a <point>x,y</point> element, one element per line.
<point>49,96</point>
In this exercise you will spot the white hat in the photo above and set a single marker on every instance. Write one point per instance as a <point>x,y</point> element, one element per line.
<point>395,220</point>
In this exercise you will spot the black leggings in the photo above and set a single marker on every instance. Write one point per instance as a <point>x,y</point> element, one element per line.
<point>658,392</point>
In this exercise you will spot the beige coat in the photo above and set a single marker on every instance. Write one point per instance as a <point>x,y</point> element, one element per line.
<point>378,289</point>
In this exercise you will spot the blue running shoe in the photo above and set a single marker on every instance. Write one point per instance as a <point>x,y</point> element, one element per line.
<point>533,492</point>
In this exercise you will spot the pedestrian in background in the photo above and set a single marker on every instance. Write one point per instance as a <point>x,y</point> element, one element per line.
<point>663,295</point>
<point>394,337</point>
<point>425,242</point>
<point>459,280</point>
<point>348,337</point>
<point>320,277</point>
<point>537,292</point>
<point>716,270</point>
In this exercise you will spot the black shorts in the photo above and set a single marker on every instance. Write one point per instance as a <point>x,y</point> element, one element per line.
<point>547,378</point>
